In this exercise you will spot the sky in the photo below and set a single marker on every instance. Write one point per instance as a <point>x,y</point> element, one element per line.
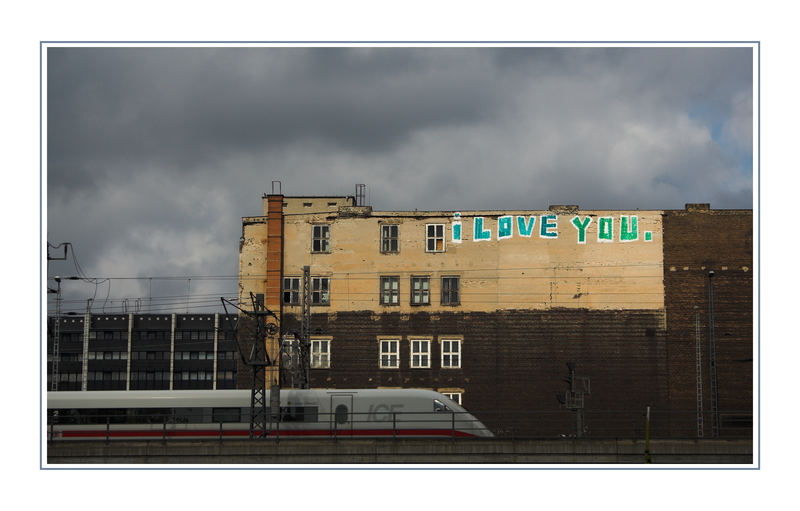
<point>154,155</point>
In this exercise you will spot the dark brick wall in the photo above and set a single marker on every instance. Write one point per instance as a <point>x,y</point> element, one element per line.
<point>514,362</point>
<point>696,242</point>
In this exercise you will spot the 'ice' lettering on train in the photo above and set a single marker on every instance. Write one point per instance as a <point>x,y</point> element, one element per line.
<point>386,412</point>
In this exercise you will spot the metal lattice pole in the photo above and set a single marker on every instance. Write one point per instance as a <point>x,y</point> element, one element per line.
<point>305,330</point>
<point>56,338</point>
<point>259,360</point>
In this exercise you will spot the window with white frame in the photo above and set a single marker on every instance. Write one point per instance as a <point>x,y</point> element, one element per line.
<point>389,239</point>
<point>451,353</point>
<point>434,238</point>
<point>321,238</point>
<point>320,291</point>
<point>390,353</point>
<point>320,353</point>
<point>291,290</point>
<point>420,353</point>
<point>420,291</point>
<point>455,396</point>
<point>390,290</point>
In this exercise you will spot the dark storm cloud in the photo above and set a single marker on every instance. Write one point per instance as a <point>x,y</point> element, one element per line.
<point>155,154</point>
<point>181,107</point>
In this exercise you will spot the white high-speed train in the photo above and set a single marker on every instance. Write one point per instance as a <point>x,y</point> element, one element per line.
<point>195,414</point>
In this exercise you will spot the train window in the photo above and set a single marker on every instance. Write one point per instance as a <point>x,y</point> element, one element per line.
<point>96,416</point>
<point>341,414</point>
<point>63,416</point>
<point>226,415</point>
<point>438,406</point>
<point>150,416</point>
<point>299,414</point>
<point>191,415</point>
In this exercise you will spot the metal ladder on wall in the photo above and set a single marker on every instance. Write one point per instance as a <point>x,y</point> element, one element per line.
<point>698,359</point>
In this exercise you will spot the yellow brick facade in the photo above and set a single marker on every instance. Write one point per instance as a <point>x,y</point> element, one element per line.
<point>544,269</point>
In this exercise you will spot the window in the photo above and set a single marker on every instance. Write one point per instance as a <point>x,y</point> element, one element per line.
<point>390,290</point>
<point>420,291</point>
<point>224,375</point>
<point>390,354</point>
<point>389,241</point>
<point>450,291</point>
<point>105,355</point>
<point>455,396</point>
<point>420,353</point>
<point>226,355</point>
<point>226,415</point>
<point>434,238</point>
<point>320,353</point>
<point>320,291</point>
<point>291,290</point>
<point>321,238</point>
<point>290,345</point>
<point>451,353</point>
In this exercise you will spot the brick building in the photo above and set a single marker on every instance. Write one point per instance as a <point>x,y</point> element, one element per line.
<point>489,307</point>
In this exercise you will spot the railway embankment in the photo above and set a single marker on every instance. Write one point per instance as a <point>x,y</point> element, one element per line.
<point>400,451</point>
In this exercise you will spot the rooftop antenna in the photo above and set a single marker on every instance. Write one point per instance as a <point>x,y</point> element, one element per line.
<point>360,192</point>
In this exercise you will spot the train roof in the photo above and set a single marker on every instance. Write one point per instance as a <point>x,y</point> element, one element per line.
<point>221,398</point>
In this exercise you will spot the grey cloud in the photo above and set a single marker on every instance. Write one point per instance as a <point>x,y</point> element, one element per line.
<point>155,154</point>
<point>182,107</point>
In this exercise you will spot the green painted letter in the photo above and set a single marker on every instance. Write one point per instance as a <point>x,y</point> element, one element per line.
<point>481,234</point>
<point>605,229</point>
<point>546,224</point>
<point>581,226</point>
<point>523,228</point>
<point>628,233</point>
<point>504,227</point>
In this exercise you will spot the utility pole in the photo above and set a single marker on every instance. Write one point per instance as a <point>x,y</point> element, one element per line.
<point>305,330</point>
<point>49,258</point>
<point>266,324</point>
<point>57,327</point>
<point>295,365</point>
<point>56,337</point>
